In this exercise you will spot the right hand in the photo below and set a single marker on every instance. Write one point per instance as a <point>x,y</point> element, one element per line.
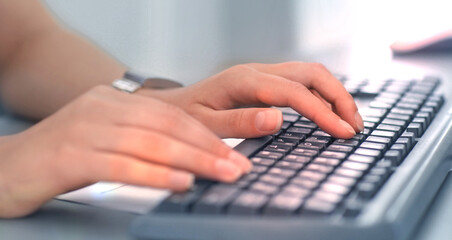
<point>106,135</point>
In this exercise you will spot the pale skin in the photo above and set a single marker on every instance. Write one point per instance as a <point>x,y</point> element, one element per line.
<point>159,138</point>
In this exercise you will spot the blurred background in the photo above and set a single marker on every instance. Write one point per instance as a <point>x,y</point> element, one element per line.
<point>190,40</point>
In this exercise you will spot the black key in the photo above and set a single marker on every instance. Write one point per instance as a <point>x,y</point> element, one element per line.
<point>287,173</point>
<point>318,139</point>
<point>296,158</point>
<point>368,152</point>
<point>384,140</point>
<point>290,117</point>
<point>316,207</point>
<point>345,181</point>
<point>264,188</point>
<point>394,156</point>
<point>347,142</point>
<point>299,130</point>
<point>359,136</point>
<point>422,122</point>
<point>285,125</point>
<point>259,169</point>
<point>400,123</point>
<point>296,136</point>
<point>273,180</point>
<point>249,177</point>
<point>373,145</point>
<point>398,116</point>
<point>305,152</point>
<point>361,158</point>
<point>334,188</point>
<point>215,199</point>
<point>353,208</point>
<point>391,128</point>
<point>312,145</point>
<point>340,148</point>
<point>320,133</point>
<point>366,189</point>
<point>295,190</point>
<point>262,161</point>
<point>279,147</point>
<point>403,111</point>
<point>179,202</point>
<point>346,172</point>
<point>327,196</point>
<point>293,141</point>
<point>247,203</point>
<point>401,148</point>
<point>326,161</point>
<point>405,141</point>
<point>304,183</point>
<point>320,168</point>
<point>305,125</point>
<point>410,136</point>
<point>415,128</point>
<point>355,165</point>
<point>289,165</point>
<point>335,155</point>
<point>250,146</point>
<point>283,205</point>
<point>387,134</point>
<point>315,176</point>
<point>270,155</point>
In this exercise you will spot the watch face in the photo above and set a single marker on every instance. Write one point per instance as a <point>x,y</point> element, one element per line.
<point>126,85</point>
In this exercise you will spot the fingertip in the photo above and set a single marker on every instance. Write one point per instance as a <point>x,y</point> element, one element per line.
<point>269,120</point>
<point>359,122</point>
<point>181,181</point>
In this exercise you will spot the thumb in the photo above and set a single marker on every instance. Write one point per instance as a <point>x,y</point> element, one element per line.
<point>245,122</point>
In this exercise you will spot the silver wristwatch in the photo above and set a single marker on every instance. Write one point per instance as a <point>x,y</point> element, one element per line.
<point>131,82</point>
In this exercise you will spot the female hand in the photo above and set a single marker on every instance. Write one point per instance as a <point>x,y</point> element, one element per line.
<point>112,136</point>
<point>308,88</point>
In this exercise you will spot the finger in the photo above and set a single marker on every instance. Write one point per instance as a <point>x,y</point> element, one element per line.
<point>316,76</point>
<point>154,115</point>
<point>243,122</point>
<point>160,149</point>
<point>315,93</point>
<point>126,169</point>
<point>278,91</point>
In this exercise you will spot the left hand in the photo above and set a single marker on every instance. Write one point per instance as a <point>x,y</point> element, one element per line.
<point>308,88</point>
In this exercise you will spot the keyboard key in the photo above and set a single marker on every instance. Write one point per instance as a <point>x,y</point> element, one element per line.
<point>398,116</point>
<point>405,141</point>
<point>270,155</point>
<point>320,133</point>
<point>400,123</point>
<point>282,204</point>
<point>305,152</point>
<point>415,128</point>
<point>373,145</point>
<point>179,202</point>
<point>285,125</point>
<point>247,203</point>
<point>347,142</point>
<point>340,148</point>
<point>312,145</point>
<point>304,183</point>
<point>295,190</point>
<point>264,188</point>
<point>289,165</point>
<point>214,200</point>
<point>334,188</point>
<point>259,169</point>
<point>319,139</point>
<point>355,165</point>
<point>345,181</point>
<point>299,130</point>
<point>347,172</point>
<point>290,117</point>
<point>315,176</point>
<point>335,155</point>
<point>297,158</point>
<point>273,180</point>
<point>317,207</point>
<point>391,128</point>
<point>320,168</point>
<point>305,125</point>
<point>293,141</point>
<point>387,134</point>
<point>394,156</point>
<point>361,158</point>
<point>368,152</point>
<point>327,196</point>
<point>326,161</point>
<point>297,136</point>
<point>287,173</point>
<point>262,161</point>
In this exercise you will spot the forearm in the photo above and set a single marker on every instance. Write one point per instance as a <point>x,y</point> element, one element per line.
<point>49,68</point>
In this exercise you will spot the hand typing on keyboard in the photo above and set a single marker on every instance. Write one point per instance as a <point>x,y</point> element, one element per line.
<point>308,88</point>
<point>161,139</point>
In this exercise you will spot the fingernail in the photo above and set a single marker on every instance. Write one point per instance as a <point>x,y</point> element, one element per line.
<point>347,126</point>
<point>181,180</point>
<point>240,160</point>
<point>269,120</point>
<point>359,121</point>
<point>227,170</point>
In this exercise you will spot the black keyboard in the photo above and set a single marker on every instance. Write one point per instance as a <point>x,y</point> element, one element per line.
<point>302,171</point>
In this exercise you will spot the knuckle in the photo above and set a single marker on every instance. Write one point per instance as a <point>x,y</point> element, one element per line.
<point>319,67</point>
<point>235,121</point>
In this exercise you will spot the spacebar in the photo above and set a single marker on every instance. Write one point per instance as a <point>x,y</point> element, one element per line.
<point>252,145</point>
